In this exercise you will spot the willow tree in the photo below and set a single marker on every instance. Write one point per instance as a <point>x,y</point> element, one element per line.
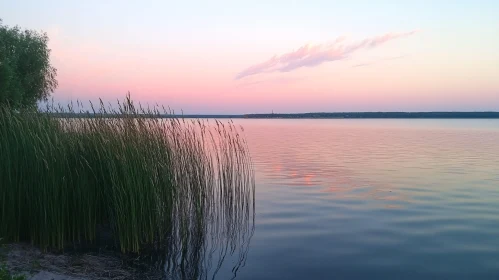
<point>26,75</point>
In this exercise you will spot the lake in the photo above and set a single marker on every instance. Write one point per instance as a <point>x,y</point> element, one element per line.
<point>374,199</point>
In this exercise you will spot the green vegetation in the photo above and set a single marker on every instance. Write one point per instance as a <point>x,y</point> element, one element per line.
<point>6,275</point>
<point>26,75</point>
<point>155,183</point>
<point>69,177</point>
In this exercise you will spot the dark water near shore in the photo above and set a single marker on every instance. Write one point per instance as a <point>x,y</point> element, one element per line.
<point>374,199</point>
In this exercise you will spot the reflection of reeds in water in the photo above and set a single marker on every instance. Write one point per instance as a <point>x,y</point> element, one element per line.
<point>213,218</point>
<point>183,185</point>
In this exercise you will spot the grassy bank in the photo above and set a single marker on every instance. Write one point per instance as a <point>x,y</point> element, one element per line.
<point>155,183</point>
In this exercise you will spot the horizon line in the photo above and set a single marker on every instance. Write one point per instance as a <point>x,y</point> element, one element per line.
<point>317,115</point>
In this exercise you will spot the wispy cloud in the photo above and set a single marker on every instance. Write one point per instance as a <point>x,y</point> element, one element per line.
<point>314,55</point>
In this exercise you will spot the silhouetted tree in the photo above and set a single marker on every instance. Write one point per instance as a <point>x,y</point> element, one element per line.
<point>26,75</point>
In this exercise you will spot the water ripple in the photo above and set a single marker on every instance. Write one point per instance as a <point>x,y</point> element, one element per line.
<point>375,199</point>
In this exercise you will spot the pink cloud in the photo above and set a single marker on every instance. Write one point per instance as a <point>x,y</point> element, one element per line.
<point>310,55</point>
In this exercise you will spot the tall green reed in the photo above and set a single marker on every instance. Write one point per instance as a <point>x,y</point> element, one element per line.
<point>155,182</point>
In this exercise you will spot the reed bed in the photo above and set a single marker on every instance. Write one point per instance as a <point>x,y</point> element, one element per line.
<point>183,186</point>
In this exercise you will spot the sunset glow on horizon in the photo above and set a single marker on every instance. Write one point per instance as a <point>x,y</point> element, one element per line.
<point>231,57</point>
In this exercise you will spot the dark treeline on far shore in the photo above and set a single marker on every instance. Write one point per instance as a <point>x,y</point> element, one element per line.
<point>382,115</point>
<point>345,115</point>
<point>163,116</point>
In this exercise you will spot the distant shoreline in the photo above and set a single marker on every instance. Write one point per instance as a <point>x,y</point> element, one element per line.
<point>382,115</point>
<point>343,115</point>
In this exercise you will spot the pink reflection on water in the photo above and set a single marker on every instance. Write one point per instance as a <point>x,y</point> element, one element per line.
<point>371,159</point>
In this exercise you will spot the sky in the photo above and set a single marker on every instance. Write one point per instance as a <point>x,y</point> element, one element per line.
<point>232,57</point>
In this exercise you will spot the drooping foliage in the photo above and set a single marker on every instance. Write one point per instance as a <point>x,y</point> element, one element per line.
<point>26,75</point>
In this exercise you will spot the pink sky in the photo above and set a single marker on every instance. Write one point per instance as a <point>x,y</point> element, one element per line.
<point>258,58</point>
<point>369,74</point>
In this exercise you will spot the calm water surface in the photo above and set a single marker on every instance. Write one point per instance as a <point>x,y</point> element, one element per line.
<point>374,199</point>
